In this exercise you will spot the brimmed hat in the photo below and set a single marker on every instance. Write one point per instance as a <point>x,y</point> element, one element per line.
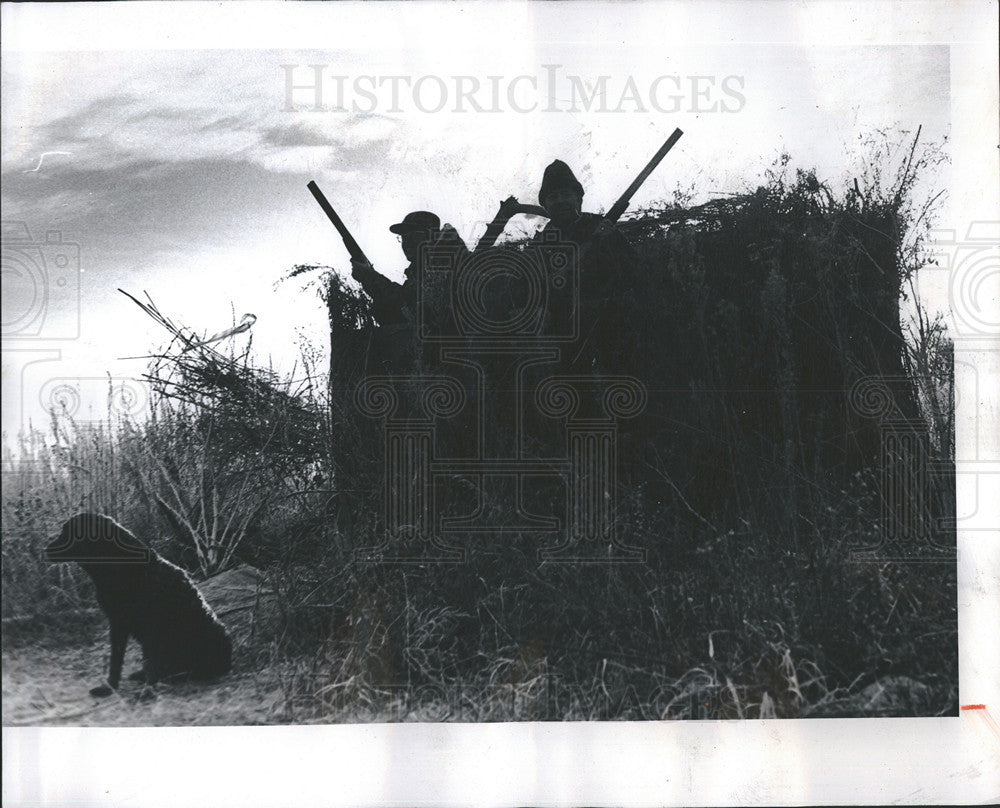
<point>418,220</point>
<point>557,176</point>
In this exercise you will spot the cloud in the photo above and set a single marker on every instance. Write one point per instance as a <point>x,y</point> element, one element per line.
<point>96,119</point>
<point>188,201</point>
<point>295,134</point>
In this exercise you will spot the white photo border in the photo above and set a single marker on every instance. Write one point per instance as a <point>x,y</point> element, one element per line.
<point>777,762</point>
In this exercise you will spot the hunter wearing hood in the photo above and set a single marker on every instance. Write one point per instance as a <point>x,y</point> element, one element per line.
<point>607,260</point>
<point>561,195</point>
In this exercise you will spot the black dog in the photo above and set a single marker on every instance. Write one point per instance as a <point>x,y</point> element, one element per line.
<point>146,597</point>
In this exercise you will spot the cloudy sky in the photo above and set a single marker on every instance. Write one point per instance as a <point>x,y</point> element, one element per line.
<point>177,159</point>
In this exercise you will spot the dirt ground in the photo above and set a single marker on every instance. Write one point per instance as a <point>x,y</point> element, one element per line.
<point>47,682</point>
<point>49,687</point>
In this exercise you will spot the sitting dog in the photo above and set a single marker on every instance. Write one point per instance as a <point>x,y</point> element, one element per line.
<point>146,597</point>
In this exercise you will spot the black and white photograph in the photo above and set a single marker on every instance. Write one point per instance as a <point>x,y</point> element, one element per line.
<point>500,403</point>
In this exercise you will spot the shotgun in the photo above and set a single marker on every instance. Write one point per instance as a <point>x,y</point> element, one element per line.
<point>356,252</point>
<point>619,207</point>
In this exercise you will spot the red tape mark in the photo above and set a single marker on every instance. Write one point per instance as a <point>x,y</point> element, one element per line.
<point>981,711</point>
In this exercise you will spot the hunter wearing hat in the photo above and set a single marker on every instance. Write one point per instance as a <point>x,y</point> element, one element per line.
<point>394,304</point>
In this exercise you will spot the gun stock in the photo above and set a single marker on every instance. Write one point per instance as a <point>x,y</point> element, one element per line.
<point>496,227</point>
<point>352,246</point>
<point>619,207</point>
